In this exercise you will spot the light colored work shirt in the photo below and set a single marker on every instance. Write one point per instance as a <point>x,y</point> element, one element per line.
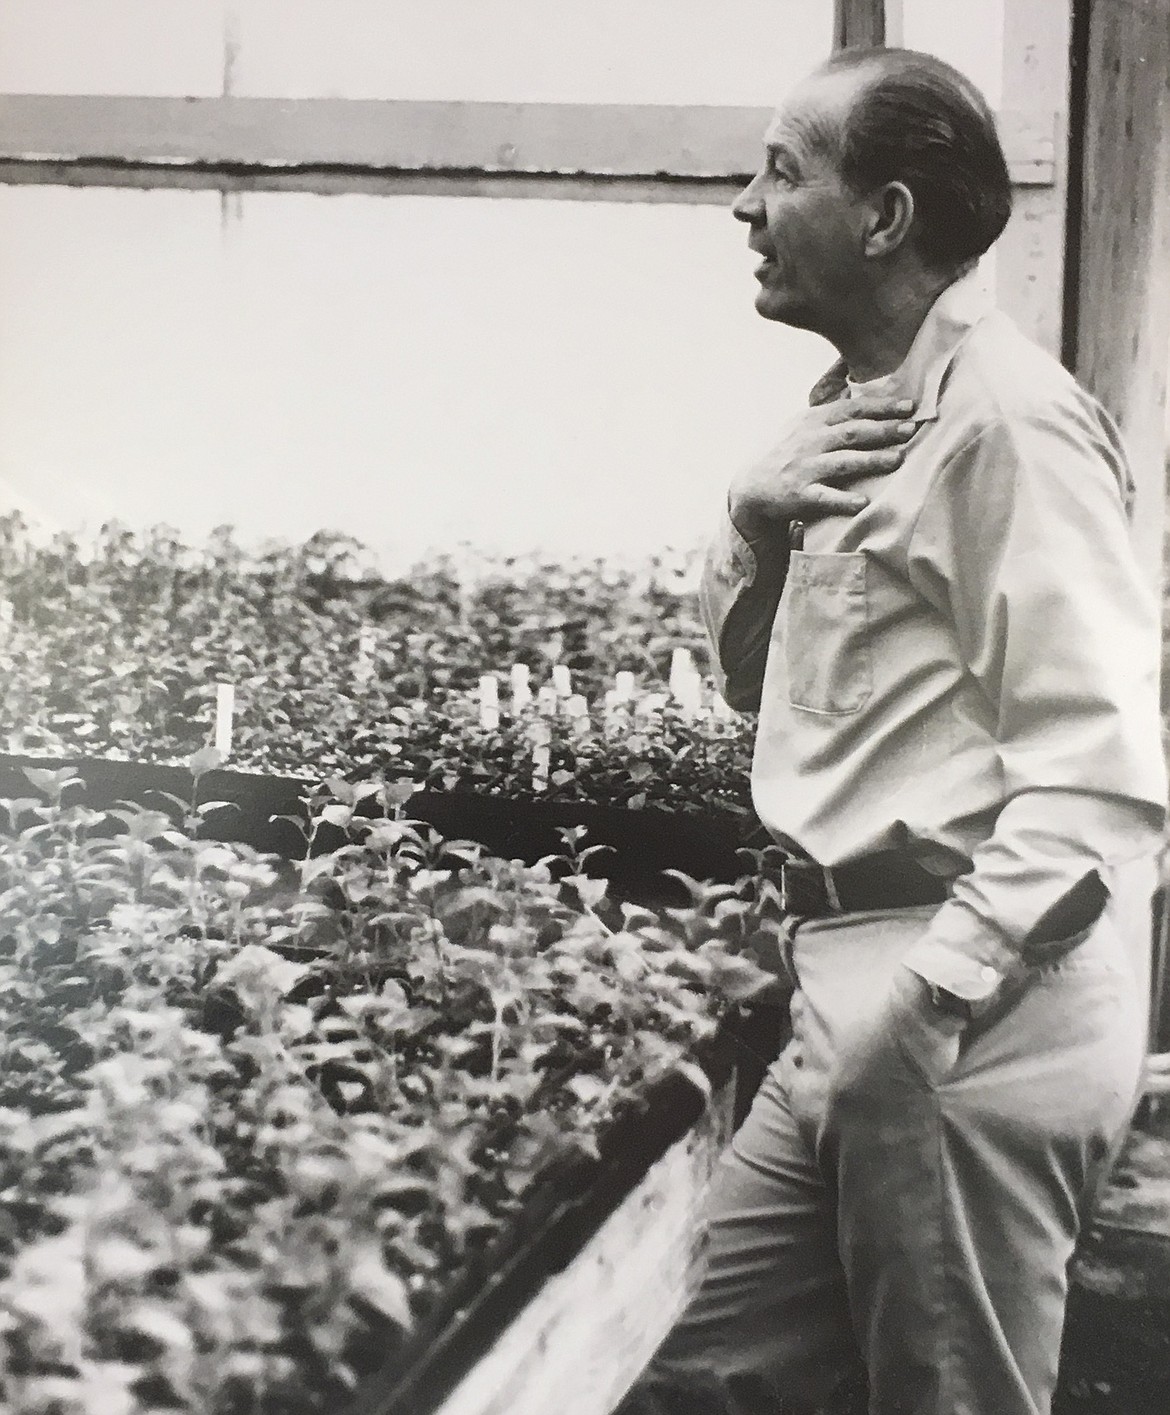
<point>967,669</point>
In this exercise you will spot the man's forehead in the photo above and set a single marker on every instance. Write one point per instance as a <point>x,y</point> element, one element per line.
<point>812,113</point>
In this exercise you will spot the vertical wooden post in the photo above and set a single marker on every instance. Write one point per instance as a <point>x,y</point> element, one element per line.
<point>859,23</point>
<point>1029,257</point>
<point>1118,306</point>
<point>1120,342</point>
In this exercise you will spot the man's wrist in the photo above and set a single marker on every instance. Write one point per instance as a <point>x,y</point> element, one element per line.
<point>756,524</point>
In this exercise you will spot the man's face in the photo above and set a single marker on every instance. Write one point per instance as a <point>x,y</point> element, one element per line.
<point>805,223</point>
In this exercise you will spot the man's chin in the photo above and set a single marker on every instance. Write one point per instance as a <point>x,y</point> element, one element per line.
<point>780,306</point>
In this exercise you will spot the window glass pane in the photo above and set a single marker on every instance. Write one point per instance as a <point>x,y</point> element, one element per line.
<point>415,370</point>
<point>596,51</point>
<point>148,47</point>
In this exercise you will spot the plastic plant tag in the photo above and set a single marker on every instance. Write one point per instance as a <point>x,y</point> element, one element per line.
<point>521,686</point>
<point>489,702</point>
<point>225,709</point>
<point>578,710</point>
<point>682,670</point>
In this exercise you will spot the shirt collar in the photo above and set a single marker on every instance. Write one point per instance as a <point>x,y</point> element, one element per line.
<point>919,376</point>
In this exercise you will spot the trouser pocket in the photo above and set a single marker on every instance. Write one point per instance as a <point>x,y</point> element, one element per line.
<point>930,1041</point>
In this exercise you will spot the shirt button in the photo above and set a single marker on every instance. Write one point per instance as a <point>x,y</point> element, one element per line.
<point>798,1061</point>
<point>989,975</point>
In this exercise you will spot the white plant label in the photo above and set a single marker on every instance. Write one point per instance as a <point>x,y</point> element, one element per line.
<point>682,670</point>
<point>521,686</point>
<point>489,702</point>
<point>225,711</point>
<point>578,710</point>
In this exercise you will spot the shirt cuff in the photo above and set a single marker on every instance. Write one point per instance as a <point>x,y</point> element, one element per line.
<point>969,962</point>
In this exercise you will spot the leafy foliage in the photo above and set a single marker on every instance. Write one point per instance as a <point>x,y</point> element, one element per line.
<point>255,1119</point>
<point>336,671</point>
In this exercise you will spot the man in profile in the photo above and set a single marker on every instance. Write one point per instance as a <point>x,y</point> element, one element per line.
<point>928,592</point>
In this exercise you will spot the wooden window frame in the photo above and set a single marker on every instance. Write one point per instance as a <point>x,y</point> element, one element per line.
<point>594,151</point>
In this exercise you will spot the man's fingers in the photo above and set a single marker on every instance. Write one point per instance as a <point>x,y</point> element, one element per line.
<point>848,409</point>
<point>819,500</point>
<point>873,432</point>
<point>837,467</point>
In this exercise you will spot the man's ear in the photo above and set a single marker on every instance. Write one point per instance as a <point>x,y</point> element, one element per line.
<point>891,215</point>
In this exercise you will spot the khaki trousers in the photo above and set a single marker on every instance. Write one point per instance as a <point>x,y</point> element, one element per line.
<point>898,1210</point>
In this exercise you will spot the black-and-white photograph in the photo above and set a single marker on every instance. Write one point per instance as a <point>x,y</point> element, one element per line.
<point>583,745</point>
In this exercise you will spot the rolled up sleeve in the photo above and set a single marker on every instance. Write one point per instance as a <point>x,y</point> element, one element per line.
<point>1023,543</point>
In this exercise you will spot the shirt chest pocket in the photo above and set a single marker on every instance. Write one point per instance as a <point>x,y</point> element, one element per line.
<point>826,639</point>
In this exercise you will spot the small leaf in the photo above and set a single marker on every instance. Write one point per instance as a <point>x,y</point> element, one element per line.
<point>587,1089</point>
<point>695,1074</point>
<point>204,760</point>
<point>634,915</point>
<point>590,891</point>
<point>209,806</point>
<point>51,783</point>
<point>170,796</point>
<point>341,788</point>
<point>739,979</point>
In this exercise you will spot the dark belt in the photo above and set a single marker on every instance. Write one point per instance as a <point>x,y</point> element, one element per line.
<point>889,880</point>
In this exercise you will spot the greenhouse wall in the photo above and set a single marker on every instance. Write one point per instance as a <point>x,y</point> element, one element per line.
<point>413,370</point>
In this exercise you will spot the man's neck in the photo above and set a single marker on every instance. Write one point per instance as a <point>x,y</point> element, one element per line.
<point>880,336</point>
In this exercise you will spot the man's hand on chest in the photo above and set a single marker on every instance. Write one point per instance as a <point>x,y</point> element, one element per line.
<point>807,475</point>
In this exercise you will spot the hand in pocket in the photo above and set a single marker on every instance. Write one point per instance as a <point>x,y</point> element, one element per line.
<point>929,1038</point>
<point>906,1041</point>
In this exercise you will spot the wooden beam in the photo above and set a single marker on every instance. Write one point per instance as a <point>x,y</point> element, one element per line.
<point>858,24</point>
<point>1119,310</point>
<point>606,139</point>
<point>150,139</point>
<point>1122,335</point>
<point>333,181</point>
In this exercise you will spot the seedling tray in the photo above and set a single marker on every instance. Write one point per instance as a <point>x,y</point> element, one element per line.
<point>566,1210</point>
<point>642,844</point>
<point>565,1206</point>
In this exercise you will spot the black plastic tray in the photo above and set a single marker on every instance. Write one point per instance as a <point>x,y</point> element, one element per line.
<point>642,843</point>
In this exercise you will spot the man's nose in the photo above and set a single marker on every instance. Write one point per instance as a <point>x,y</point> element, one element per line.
<point>749,206</point>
